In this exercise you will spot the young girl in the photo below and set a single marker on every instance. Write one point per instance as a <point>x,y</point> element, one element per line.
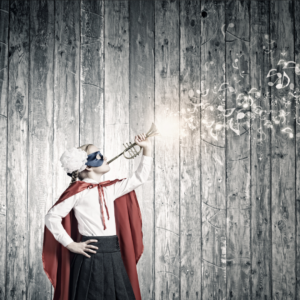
<point>97,267</point>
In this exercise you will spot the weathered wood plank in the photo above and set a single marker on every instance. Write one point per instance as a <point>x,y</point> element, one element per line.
<point>237,151</point>
<point>297,133</point>
<point>176,223</point>
<point>167,168</point>
<point>66,88</point>
<point>92,70</point>
<point>40,116</point>
<point>261,241</point>
<point>17,149</point>
<point>190,208</point>
<point>213,168</point>
<point>4,24</point>
<point>116,107</point>
<point>283,154</point>
<point>141,111</point>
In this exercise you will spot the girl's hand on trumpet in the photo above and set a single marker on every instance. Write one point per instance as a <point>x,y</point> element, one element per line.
<point>144,142</point>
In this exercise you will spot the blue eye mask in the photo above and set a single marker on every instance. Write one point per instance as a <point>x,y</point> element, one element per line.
<point>93,161</point>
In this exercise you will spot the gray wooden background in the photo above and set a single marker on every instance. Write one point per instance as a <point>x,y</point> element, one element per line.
<point>221,209</point>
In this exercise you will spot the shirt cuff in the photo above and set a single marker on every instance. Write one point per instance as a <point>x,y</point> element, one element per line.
<point>147,160</point>
<point>66,240</point>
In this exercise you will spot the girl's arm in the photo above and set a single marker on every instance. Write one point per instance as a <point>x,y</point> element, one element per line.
<point>54,217</point>
<point>139,177</point>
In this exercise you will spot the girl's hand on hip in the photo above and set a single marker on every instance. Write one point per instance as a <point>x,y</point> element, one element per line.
<point>81,247</point>
<point>142,140</point>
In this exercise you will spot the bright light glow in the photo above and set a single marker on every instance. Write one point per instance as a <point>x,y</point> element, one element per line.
<point>168,126</point>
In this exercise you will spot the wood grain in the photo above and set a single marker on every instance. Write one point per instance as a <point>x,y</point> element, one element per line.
<point>4,25</point>
<point>283,157</point>
<point>4,41</point>
<point>92,73</point>
<point>167,166</point>
<point>66,88</point>
<point>40,123</point>
<point>261,239</point>
<point>220,211</point>
<point>260,154</point>
<point>237,153</point>
<point>190,200</point>
<point>213,168</point>
<point>297,134</point>
<point>17,234</point>
<point>116,109</point>
<point>141,112</point>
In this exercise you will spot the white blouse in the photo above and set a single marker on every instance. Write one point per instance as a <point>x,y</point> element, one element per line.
<point>87,207</point>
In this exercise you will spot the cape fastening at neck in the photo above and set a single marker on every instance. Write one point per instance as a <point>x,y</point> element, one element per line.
<point>57,258</point>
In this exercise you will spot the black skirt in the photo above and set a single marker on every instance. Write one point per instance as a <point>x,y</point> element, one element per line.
<point>103,275</point>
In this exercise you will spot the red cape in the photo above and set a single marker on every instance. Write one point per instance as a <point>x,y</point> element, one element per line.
<point>56,258</point>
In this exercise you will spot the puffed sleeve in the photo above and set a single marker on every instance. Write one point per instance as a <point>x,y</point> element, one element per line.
<point>54,217</point>
<point>139,177</point>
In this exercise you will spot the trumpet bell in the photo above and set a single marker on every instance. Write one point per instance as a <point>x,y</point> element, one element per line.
<point>152,131</point>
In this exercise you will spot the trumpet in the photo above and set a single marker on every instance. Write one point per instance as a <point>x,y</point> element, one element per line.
<point>130,147</point>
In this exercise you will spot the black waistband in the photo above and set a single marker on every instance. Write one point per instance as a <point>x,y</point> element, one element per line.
<point>108,243</point>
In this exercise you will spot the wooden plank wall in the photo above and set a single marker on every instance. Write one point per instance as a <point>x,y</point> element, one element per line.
<point>189,155</point>
<point>221,209</point>
<point>260,153</point>
<point>213,167</point>
<point>17,219</point>
<point>283,156</point>
<point>4,23</point>
<point>141,110</point>
<point>297,152</point>
<point>237,152</point>
<point>167,169</point>
<point>40,128</point>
